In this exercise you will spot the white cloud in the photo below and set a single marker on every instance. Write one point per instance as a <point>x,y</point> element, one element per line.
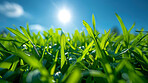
<point>36,27</point>
<point>11,9</point>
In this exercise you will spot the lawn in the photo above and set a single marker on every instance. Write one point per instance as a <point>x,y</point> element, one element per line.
<point>74,58</point>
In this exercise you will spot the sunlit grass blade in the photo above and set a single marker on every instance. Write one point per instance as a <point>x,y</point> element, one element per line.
<point>104,39</point>
<point>6,39</point>
<point>53,67</point>
<point>19,34</point>
<point>100,54</point>
<point>74,77</point>
<point>97,46</point>
<point>14,65</point>
<point>125,32</point>
<point>94,24</point>
<point>117,49</point>
<point>93,21</point>
<point>28,31</point>
<point>42,42</point>
<point>25,32</point>
<point>131,27</point>
<point>46,45</point>
<point>122,24</point>
<point>62,43</point>
<point>71,45</point>
<point>28,59</point>
<point>89,29</point>
<point>32,61</point>
<point>85,51</point>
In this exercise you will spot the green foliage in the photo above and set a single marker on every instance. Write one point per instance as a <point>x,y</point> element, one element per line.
<point>53,57</point>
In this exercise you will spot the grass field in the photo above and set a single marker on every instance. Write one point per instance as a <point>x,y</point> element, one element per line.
<point>105,58</point>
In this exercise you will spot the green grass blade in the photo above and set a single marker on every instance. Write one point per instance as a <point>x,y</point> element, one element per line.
<point>74,77</point>
<point>46,44</point>
<point>28,31</point>
<point>71,45</point>
<point>25,32</point>
<point>85,51</point>
<point>32,61</point>
<point>3,47</point>
<point>97,46</point>
<point>117,49</point>
<point>137,40</point>
<point>103,41</point>
<point>122,24</point>
<point>10,39</point>
<point>94,23</point>
<point>89,29</point>
<point>28,59</point>
<point>120,66</point>
<point>19,34</point>
<point>70,68</point>
<point>5,65</point>
<point>131,27</point>
<point>125,32</point>
<point>100,54</point>
<point>14,65</point>
<point>62,43</point>
<point>53,67</point>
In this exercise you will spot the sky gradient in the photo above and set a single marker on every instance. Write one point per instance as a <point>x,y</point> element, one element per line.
<point>42,15</point>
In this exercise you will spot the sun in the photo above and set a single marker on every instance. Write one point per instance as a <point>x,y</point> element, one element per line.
<point>64,16</point>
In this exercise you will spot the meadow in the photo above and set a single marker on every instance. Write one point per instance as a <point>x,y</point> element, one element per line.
<point>81,58</point>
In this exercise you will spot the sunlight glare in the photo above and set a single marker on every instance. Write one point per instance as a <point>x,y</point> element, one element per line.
<point>64,16</point>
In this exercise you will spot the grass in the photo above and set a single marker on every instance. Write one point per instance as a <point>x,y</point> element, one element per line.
<point>109,58</point>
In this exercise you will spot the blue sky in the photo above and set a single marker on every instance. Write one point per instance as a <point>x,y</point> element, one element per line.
<point>42,15</point>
